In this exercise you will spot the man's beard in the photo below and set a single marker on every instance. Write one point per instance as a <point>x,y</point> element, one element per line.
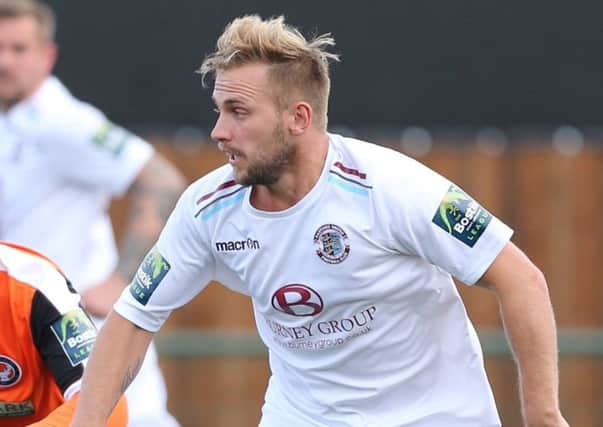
<point>267,171</point>
<point>7,100</point>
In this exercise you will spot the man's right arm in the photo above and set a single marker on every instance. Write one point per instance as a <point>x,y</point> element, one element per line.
<point>115,360</point>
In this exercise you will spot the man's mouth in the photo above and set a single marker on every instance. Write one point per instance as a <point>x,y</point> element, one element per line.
<point>233,156</point>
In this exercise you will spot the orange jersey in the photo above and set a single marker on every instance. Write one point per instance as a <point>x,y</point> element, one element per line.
<point>45,337</point>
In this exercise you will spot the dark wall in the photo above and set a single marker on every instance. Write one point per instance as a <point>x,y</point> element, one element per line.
<point>411,62</point>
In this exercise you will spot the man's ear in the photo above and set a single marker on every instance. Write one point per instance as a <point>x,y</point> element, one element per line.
<point>301,116</point>
<point>52,53</point>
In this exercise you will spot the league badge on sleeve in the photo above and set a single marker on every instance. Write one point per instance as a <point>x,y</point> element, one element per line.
<point>76,333</point>
<point>150,273</point>
<point>111,138</point>
<point>461,216</point>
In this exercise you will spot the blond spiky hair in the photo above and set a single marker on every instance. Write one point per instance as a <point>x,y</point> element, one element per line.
<point>298,67</point>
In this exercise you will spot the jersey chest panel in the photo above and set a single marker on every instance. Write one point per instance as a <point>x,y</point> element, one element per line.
<point>26,180</point>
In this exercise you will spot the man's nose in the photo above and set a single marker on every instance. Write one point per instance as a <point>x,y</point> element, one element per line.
<point>220,131</point>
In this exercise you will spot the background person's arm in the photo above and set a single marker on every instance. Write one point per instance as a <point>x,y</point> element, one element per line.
<point>115,360</point>
<point>151,197</point>
<point>529,323</point>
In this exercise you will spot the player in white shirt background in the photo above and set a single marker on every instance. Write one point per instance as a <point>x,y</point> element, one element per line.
<point>347,250</point>
<point>61,162</point>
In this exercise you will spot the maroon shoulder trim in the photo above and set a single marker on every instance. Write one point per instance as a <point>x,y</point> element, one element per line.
<point>350,171</point>
<point>220,187</point>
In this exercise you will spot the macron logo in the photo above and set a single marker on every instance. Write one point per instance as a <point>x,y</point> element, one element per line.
<point>237,245</point>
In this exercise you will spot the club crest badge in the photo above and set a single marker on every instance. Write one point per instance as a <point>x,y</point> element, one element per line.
<point>10,371</point>
<point>331,244</point>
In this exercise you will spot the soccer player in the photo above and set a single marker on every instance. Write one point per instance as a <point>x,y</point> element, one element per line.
<point>45,341</point>
<point>347,250</point>
<point>61,162</point>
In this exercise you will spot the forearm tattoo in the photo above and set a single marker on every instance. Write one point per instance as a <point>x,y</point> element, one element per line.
<point>151,200</point>
<point>130,374</point>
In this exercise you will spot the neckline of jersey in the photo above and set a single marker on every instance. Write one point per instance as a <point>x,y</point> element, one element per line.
<point>23,110</point>
<point>305,202</point>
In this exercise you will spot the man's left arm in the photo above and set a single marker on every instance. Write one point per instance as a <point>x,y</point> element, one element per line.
<point>151,197</point>
<point>529,323</point>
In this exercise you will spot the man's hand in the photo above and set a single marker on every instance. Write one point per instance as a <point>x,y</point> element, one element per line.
<point>99,300</point>
<point>62,415</point>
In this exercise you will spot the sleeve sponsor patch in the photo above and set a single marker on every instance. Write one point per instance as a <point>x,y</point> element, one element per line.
<point>76,333</point>
<point>461,216</point>
<point>151,272</point>
<point>111,138</point>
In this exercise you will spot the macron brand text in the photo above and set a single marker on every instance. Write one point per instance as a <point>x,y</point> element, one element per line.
<point>237,245</point>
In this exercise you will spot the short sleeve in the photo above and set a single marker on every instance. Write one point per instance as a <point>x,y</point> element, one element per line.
<point>63,340</point>
<point>82,145</point>
<point>61,330</point>
<point>435,219</point>
<point>176,269</point>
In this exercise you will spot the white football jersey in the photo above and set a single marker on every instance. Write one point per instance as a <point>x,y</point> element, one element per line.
<point>61,161</point>
<point>351,288</point>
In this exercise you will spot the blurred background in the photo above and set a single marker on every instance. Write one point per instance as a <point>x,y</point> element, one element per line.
<point>504,98</point>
